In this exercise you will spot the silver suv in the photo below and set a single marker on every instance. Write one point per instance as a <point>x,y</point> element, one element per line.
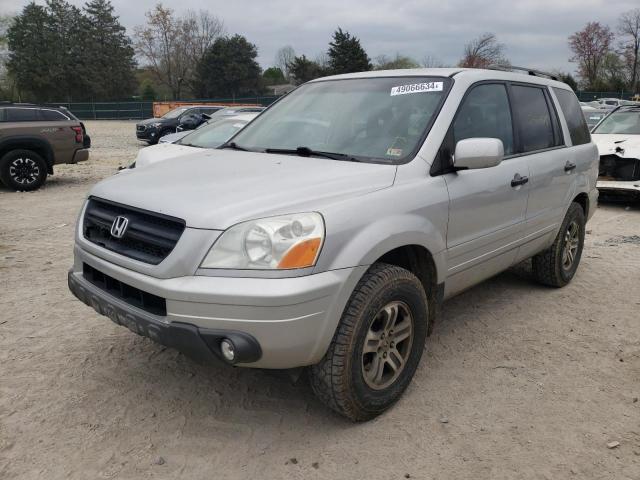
<point>327,232</point>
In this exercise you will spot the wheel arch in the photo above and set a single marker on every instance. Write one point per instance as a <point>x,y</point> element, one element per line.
<point>582,199</point>
<point>25,142</point>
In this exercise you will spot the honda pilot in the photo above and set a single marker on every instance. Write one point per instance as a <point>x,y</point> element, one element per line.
<point>326,233</point>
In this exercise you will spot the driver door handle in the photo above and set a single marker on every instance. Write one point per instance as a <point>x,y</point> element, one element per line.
<point>518,180</point>
<point>569,166</point>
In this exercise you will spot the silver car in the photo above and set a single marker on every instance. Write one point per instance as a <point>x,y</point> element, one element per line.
<point>327,232</point>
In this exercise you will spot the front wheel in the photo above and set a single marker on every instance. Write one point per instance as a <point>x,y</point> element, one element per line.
<point>557,265</point>
<point>377,345</point>
<point>23,170</point>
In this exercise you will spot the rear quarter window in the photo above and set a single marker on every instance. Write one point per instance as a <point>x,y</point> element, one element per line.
<point>578,129</point>
<point>53,116</point>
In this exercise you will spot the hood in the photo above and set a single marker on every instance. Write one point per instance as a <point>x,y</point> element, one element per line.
<point>622,144</point>
<point>215,189</point>
<point>162,151</point>
<point>149,121</point>
<point>174,137</point>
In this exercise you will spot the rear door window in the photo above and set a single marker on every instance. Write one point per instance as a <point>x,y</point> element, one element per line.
<point>485,113</point>
<point>22,115</point>
<point>576,123</point>
<point>536,128</point>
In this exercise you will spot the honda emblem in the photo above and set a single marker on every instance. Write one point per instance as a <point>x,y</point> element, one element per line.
<point>119,226</point>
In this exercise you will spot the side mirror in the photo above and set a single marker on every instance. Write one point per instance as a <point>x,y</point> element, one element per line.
<point>473,153</point>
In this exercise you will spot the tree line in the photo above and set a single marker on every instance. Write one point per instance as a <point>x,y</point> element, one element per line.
<point>59,52</point>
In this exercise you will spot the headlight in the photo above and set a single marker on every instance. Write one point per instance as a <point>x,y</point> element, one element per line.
<point>275,243</point>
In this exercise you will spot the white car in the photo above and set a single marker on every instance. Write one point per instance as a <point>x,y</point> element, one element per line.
<point>617,137</point>
<point>210,135</point>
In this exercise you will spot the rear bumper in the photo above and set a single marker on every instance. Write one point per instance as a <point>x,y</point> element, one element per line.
<point>81,155</point>
<point>292,320</point>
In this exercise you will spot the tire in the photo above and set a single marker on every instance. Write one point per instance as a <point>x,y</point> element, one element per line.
<point>557,265</point>
<point>345,379</point>
<point>23,170</point>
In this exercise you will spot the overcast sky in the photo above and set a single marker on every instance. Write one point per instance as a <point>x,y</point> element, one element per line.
<point>534,31</point>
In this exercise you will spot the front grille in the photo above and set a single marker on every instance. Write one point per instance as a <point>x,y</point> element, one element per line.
<point>141,128</point>
<point>131,295</point>
<point>149,237</point>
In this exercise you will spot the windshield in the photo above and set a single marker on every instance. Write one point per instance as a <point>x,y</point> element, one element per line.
<point>621,123</point>
<point>176,112</point>
<point>373,119</point>
<point>213,135</point>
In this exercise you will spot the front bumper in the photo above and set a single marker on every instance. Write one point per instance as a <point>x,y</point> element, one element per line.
<point>148,134</point>
<point>292,320</point>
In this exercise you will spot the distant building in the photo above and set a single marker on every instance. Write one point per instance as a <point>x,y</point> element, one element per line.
<point>280,89</point>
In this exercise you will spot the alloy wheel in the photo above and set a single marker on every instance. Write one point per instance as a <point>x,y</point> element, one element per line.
<point>24,171</point>
<point>571,241</point>
<point>387,345</point>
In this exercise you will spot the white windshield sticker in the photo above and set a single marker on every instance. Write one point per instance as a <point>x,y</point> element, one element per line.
<point>417,88</point>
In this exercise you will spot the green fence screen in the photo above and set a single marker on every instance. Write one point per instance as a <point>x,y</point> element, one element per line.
<point>140,110</point>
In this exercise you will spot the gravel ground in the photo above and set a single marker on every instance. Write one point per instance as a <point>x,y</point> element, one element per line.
<point>518,381</point>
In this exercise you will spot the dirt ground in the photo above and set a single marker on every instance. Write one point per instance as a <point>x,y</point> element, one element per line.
<point>517,382</point>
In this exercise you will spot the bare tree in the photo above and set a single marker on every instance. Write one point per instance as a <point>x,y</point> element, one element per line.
<point>429,61</point>
<point>172,46</point>
<point>484,51</point>
<point>384,62</point>
<point>201,29</point>
<point>590,47</point>
<point>284,58</point>
<point>629,29</point>
<point>322,59</point>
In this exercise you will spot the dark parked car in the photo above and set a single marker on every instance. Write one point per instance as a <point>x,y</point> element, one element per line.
<point>193,121</point>
<point>33,139</point>
<point>152,129</point>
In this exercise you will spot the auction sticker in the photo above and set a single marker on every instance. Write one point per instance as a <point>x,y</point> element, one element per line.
<point>417,88</point>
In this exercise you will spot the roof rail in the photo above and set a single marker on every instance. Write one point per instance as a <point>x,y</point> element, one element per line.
<point>530,71</point>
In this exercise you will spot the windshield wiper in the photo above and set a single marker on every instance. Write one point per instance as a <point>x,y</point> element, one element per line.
<point>307,152</point>
<point>235,146</point>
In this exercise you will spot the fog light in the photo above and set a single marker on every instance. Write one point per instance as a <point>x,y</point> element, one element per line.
<point>227,349</point>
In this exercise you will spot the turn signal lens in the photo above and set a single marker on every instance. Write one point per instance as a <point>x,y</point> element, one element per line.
<point>301,255</point>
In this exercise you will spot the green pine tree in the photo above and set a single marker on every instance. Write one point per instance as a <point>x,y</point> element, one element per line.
<point>346,55</point>
<point>228,68</point>
<point>301,69</point>
<point>111,57</point>
<point>29,55</point>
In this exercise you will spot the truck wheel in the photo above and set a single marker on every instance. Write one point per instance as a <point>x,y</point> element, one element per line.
<point>377,345</point>
<point>23,170</point>
<point>557,265</point>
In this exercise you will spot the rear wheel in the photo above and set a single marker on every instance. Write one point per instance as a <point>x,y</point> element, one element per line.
<point>557,265</point>
<point>377,345</point>
<point>23,170</point>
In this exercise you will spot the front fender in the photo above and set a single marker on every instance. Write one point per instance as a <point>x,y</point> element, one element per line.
<point>383,235</point>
